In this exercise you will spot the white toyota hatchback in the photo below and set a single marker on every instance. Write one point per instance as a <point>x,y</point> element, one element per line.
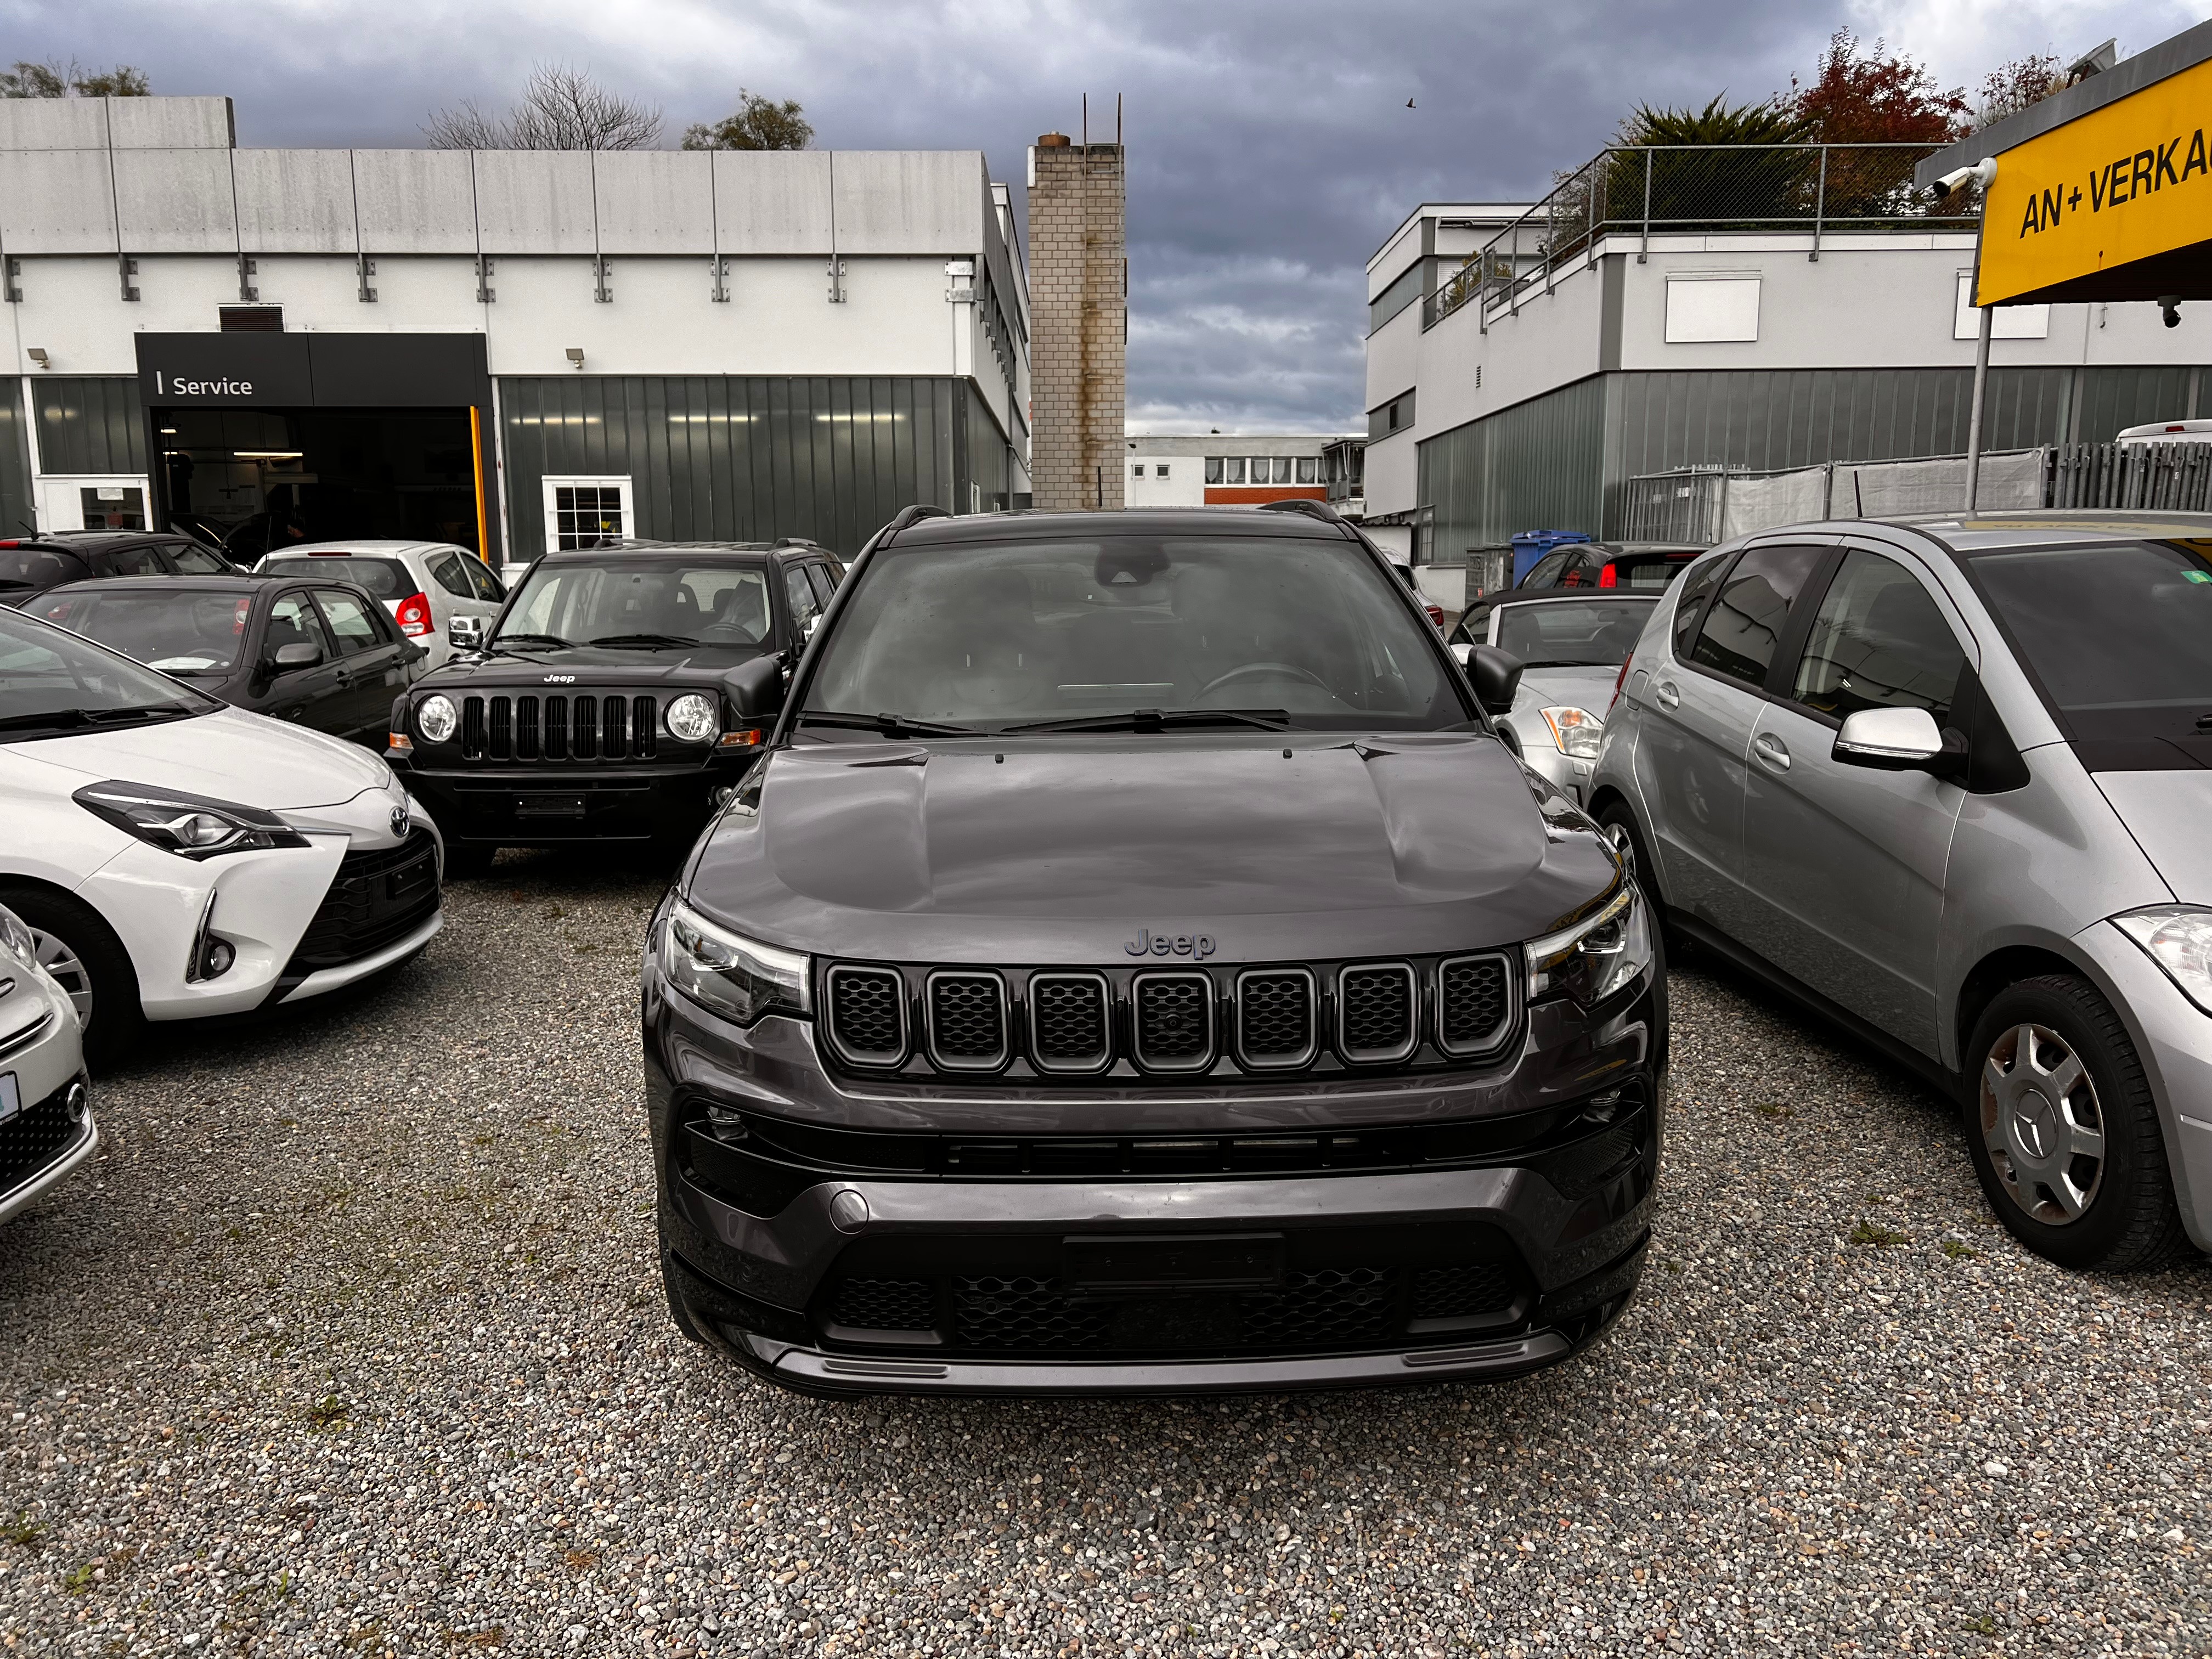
<point>175,858</point>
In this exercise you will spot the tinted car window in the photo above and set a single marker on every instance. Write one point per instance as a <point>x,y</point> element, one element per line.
<point>446,570</point>
<point>1648,572</point>
<point>293,621</point>
<point>1687,602</point>
<point>382,579</point>
<point>487,585</point>
<point>182,633</point>
<point>1744,624</point>
<point>197,560</point>
<point>141,561</point>
<point>824,583</point>
<point>1544,573</point>
<point>1878,642</point>
<point>1602,633</point>
<point>1474,626</point>
<point>641,598</point>
<point>800,597</point>
<point>39,567</point>
<point>2119,633</point>
<point>351,625</point>
<point>45,672</point>
<point>1003,633</point>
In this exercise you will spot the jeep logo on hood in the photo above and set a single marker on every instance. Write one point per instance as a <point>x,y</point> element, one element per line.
<point>560,679</point>
<point>1149,944</point>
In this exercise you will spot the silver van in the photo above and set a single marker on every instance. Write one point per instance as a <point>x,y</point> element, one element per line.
<point>1949,783</point>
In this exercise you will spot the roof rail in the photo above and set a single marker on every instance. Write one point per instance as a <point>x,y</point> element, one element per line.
<point>907,516</point>
<point>1306,505</point>
<point>794,541</point>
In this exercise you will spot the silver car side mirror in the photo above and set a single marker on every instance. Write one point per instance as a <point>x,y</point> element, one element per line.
<point>1890,740</point>
<point>465,633</point>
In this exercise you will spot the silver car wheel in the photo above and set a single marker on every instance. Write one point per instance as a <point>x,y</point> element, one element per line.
<point>57,958</point>
<point>1623,843</point>
<point>2042,1124</point>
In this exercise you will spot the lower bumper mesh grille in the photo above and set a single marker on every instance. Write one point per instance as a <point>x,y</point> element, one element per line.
<point>35,1139</point>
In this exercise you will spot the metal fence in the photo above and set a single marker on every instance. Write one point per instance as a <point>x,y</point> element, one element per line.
<point>1706,505</point>
<point>1650,189</point>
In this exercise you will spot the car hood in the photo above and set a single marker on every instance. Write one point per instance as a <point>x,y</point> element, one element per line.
<point>1064,850</point>
<point>230,755</point>
<point>586,665</point>
<point>2170,815</point>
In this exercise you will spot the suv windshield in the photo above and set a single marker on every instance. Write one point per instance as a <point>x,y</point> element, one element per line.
<point>38,567</point>
<point>52,681</point>
<point>2119,633</point>
<point>1563,633</point>
<point>383,579</point>
<point>636,599</point>
<point>178,633</point>
<point>993,634</point>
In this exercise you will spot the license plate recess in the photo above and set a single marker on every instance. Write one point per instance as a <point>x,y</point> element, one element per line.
<point>1195,1262</point>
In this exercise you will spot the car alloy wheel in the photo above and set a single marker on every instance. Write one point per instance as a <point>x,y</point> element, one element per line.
<point>2042,1124</point>
<point>56,956</point>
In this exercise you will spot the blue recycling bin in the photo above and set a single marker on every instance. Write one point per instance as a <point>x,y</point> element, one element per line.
<point>1530,545</point>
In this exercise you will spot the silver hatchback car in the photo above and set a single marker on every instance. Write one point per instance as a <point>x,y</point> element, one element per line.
<point>1949,781</point>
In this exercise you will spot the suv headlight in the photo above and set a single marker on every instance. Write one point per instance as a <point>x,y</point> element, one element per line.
<point>435,717</point>
<point>190,826</point>
<point>1576,731</point>
<point>740,978</point>
<point>1595,958</point>
<point>691,718</point>
<point>2178,938</point>
<point>15,938</point>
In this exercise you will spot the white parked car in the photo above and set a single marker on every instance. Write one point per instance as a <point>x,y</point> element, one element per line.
<point>46,1108</point>
<point>423,584</point>
<point>176,858</point>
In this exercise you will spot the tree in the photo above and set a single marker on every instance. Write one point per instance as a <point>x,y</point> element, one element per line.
<point>2011,87</point>
<point>561,108</point>
<point>1865,96</point>
<point>1726,163</point>
<point>55,79</point>
<point>758,124</point>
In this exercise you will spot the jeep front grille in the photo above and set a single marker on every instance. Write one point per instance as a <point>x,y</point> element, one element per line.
<point>529,727</point>
<point>867,1014</point>
<point>1275,1018</point>
<point>1377,1018</point>
<point>1174,1022</point>
<point>1070,1016</point>
<point>1474,1004</point>
<point>967,1021</point>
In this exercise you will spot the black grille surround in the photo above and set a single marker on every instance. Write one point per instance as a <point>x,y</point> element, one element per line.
<point>1071,1026</point>
<point>378,897</point>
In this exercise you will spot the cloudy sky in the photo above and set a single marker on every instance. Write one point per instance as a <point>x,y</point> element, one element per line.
<point>1270,146</point>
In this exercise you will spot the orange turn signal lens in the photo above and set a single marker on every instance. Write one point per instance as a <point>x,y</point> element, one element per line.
<point>750,738</point>
<point>399,740</point>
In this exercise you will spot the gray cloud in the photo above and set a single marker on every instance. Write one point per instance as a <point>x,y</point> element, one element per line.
<point>1270,148</point>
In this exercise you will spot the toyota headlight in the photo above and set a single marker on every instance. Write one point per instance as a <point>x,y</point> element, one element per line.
<point>435,717</point>
<point>1576,731</point>
<point>190,826</point>
<point>740,978</point>
<point>691,718</point>
<point>2178,938</point>
<point>1597,956</point>
<point>15,938</point>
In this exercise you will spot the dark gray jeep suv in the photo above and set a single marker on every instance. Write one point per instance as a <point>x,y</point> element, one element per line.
<point>1134,964</point>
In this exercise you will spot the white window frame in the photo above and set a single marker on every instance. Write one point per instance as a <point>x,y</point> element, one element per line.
<point>1712,307</point>
<point>574,481</point>
<point>59,506</point>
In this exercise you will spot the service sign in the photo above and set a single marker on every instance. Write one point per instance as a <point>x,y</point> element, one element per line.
<point>224,371</point>
<point>2121,183</point>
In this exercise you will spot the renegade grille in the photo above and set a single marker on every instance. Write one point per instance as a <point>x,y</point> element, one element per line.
<point>530,727</point>
<point>1074,1023</point>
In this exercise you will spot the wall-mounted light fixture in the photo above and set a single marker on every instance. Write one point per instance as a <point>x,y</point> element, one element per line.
<point>575,356</point>
<point>38,354</point>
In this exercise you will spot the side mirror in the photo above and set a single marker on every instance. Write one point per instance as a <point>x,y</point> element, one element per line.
<point>465,633</point>
<point>1897,740</point>
<point>1461,649</point>
<point>813,623</point>
<point>1496,676</point>
<point>302,654</point>
<point>756,687</point>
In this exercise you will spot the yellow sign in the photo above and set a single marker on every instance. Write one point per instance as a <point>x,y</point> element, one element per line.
<point>2127,182</point>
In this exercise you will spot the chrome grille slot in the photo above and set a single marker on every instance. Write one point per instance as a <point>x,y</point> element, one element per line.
<point>1475,1004</point>
<point>967,1014</point>
<point>472,726</point>
<point>502,727</point>
<point>644,727</point>
<point>867,1014</point>
<point>1070,1022</point>
<point>1173,1021</point>
<point>1377,1011</point>
<point>556,728</point>
<point>526,728</point>
<point>586,742</point>
<point>1275,1023</point>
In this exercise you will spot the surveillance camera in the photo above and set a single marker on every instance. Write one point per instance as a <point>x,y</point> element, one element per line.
<point>1982,174</point>
<point>2169,306</point>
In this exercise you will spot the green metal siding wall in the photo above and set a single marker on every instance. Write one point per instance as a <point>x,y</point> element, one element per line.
<point>90,425</point>
<point>1538,465</point>
<point>18,514</point>
<point>2112,398</point>
<point>742,459</point>
<point>987,470</point>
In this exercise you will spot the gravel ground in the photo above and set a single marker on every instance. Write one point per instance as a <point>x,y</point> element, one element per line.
<point>351,1342</point>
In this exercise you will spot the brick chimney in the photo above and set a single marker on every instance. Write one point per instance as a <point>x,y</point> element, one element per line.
<point>1079,312</point>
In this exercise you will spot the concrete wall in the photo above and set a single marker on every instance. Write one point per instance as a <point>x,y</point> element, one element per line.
<point>1078,290</point>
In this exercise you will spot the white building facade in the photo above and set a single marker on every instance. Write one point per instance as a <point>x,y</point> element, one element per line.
<point>503,349</point>
<point>1227,469</point>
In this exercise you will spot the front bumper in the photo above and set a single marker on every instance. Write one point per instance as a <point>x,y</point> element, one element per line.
<point>43,1143</point>
<point>505,805</point>
<point>1501,1229</point>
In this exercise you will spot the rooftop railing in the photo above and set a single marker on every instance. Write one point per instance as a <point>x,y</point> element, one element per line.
<point>1648,191</point>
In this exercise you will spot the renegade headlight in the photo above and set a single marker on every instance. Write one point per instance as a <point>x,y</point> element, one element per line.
<point>738,978</point>
<point>190,826</point>
<point>1576,731</point>
<point>2178,938</point>
<point>15,938</point>
<point>1595,958</point>
<point>435,717</point>
<point>691,719</point>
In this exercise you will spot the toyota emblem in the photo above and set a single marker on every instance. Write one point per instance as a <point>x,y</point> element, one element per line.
<point>399,823</point>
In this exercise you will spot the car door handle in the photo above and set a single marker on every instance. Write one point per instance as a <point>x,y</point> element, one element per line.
<point>1772,750</point>
<point>1666,695</point>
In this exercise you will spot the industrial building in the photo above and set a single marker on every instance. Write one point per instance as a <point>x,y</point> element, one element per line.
<point>1234,469</point>
<point>510,349</point>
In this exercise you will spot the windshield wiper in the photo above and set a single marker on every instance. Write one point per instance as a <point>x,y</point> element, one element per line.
<point>528,639</point>
<point>891,725</point>
<point>71,718</point>
<point>59,717</point>
<point>1156,719</point>
<point>643,639</point>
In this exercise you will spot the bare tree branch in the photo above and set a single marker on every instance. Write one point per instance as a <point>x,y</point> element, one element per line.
<point>561,108</point>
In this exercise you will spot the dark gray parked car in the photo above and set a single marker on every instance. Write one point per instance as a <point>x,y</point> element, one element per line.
<point>1136,964</point>
<point>1950,782</point>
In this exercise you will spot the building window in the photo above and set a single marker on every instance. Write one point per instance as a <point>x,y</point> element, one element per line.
<point>588,512</point>
<point>1213,468</point>
<point>1160,470</point>
<point>1306,469</point>
<point>1233,467</point>
<point>1138,470</point>
<point>1394,417</point>
<point>1282,469</point>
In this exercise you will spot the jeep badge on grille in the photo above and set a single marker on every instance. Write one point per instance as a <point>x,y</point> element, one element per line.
<point>1149,944</point>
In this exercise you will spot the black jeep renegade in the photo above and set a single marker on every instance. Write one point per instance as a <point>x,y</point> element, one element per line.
<point>1134,963</point>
